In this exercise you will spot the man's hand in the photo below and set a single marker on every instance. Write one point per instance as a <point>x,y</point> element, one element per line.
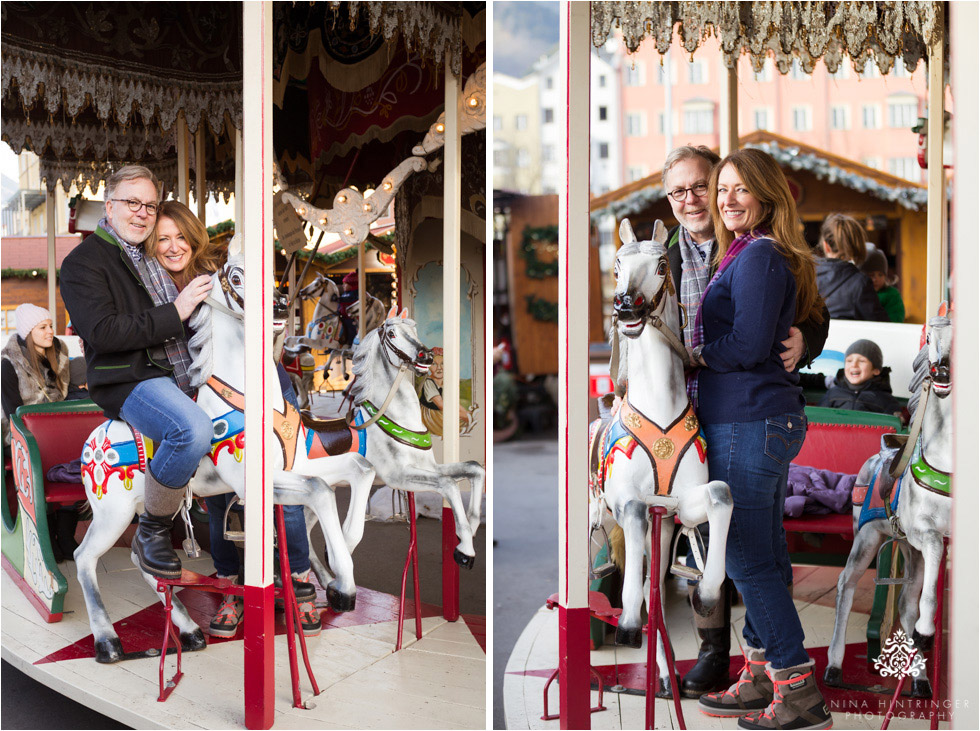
<point>192,295</point>
<point>794,349</point>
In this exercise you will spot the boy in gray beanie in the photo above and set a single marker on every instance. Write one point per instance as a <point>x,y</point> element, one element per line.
<point>863,384</point>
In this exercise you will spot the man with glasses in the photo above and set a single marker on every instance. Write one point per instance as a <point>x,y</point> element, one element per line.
<point>690,254</point>
<point>128,312</point>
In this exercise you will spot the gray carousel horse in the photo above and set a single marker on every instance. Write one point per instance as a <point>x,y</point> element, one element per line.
<point>115,455</point>
<point>912,504</point>
<point>651,452</point>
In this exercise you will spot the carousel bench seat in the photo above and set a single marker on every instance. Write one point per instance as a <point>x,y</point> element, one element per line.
<point>42,436</point>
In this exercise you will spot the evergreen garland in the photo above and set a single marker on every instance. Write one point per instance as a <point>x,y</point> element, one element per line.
<point>542,309</point>
<point>11,273</point>
<point>534,267</point>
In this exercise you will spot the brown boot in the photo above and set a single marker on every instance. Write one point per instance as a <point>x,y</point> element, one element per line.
<point>711,670</point>
<point>797,702</point>
<point>752,691</point>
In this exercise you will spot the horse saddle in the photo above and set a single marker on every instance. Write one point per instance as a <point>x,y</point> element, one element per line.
<point>334,435</point>
<point>880,498</point>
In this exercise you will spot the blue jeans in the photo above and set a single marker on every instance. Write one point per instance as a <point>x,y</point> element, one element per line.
<point>753,458</point>
<point>179,427</point>
<point>225,554</point>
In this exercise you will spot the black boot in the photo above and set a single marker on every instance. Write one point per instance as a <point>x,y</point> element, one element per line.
<point>153,547</point>
<point>710,673</point>
<point>66,520</point>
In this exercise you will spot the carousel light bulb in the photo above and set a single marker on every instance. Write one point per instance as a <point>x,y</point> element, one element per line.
<point>386,185</point>
<point>323,221</point>
<point>440,128</point>
<point>34,272</point>
<point>474,101</point>
<point>301,211</point>
<point>353,187</point>
<point>341,198</point>
<point>349,231</point>
<point>367,207</point>
<point>368,192</point>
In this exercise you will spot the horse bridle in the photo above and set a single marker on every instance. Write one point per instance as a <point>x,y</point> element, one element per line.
<point>230,294</point>
<point>388,347</point>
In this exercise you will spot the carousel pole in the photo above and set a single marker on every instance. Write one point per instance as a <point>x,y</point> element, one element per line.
<point>361,295</point>
<point>963,541</point>
<point>451,308</point>
<point>936,260</point>
<point>256,232</point>
<point>199,190</point>
<point>50,201</point>
<point>183,160</point>
<point>573,369</point>
<point>728,141</point>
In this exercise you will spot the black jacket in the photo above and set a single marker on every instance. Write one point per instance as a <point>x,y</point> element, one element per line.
<point>848,293</point>
<point>113,313</point>
<point>874,395</point>
<point>814,335</point>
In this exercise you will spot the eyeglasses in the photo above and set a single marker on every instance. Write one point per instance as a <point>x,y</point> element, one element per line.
<point>135,205</point>
<point>679,194</point>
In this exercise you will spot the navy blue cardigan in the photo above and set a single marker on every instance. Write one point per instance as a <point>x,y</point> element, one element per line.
<point>746,315</point>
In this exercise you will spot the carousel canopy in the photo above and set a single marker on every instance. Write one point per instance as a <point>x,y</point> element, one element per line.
<point>807,31</point>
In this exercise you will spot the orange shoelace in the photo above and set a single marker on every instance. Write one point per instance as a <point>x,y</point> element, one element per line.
<point>777,694</point>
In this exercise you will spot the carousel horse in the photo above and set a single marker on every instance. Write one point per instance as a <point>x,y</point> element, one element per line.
<point>387,422</point>
<point>651,452</point>
<point>913,504</point>
<point>115,456</point>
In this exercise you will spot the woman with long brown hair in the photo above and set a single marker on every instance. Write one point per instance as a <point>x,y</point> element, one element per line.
<point>181,244</point>
<point>751,411</point>
<point>849,294</point>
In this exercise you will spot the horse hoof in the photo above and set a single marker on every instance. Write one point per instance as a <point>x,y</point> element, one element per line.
<point>463,560</point>
<point>338,600</point>
<point>834,677</point>
<point>108,651</point>
<point>921,688</point>
<point>923,642</point>
<point>704,609</point>
<point>629,637</point>
<point>193,641</point>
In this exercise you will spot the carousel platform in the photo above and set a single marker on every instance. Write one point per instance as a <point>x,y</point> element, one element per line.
<point>438,681</point>
<point>861,705</point>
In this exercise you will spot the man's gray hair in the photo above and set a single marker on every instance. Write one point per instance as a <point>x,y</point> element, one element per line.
<point>130,172</point>
<point>689,152</point>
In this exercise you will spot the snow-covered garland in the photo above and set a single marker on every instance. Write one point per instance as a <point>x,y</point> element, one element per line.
<point>913,198</point>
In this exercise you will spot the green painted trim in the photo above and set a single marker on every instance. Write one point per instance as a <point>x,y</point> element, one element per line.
<point>927,475</point>
<point>417,439</point>
<point>824,415</point>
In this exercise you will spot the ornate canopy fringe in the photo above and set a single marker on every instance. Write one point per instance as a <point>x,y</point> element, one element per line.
<point>807,31</point>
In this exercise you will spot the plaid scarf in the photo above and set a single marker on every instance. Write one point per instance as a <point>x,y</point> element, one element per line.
<point>162,291</point>
<point>697,335</point>
<point>695,273</point>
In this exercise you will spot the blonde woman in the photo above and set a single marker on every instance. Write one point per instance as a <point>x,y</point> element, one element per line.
<point>848,292</point>
<point>751,410</point>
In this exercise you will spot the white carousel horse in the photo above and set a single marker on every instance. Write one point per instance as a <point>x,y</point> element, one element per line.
<point>115,455</point>
<point>917,504</point>
<point>669,466</point>
<point>397,443</point>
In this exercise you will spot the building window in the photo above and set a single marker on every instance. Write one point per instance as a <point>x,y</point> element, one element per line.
<point>663,69</point>
<point>840,116</point>
<point>699,120</point>
<point>548,153</point>
<point>636,124</point>
<point>903,112</point>
<point>905,167</point>
<point>797,73</point>
<point>662,122</point>
<point>802,118</point>
<point>872,162</point>
<point>697,72</point>
<point>761,118</point>
<point>870,70</point>
<point>523,157</point>
<point>871,116</point>
<point>633,74</point>
<point>899,71</point>
<point>766,73</point>
<point>603,114</point>
<point>498,123</point>
<point>602,81</point>
<point>603,150</point>
<point>635,172</point>
<point>841,73</point>
<point>520,122</point>
<point>500,158</point>
<point>549,116</point>
<point>549,82</point>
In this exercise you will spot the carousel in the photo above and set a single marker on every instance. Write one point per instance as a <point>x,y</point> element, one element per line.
<point>881,638</point>
<point>331,124</point>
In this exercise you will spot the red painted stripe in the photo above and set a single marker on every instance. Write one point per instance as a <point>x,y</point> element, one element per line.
<point>450,569</point>
<point>36,601</point>
<point>573,668</point>
<point>259,676</point>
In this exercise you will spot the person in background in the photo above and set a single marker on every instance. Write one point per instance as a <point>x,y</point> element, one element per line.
<point>863,384</point>
<point>348,298</point>
<point>182,246</point>
<point>847,292</point>
<point>875,268</point>
<point>35,370</point>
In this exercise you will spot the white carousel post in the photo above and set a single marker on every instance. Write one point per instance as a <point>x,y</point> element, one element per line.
<point>728,139</point>
<point>935,249</point>
<point>573,369</point>
<point>451,263</point>
<point>183,159</point>
<point>200,192</point>
<point>361,294</point>
<point>963,548</point>
<point>239,179</point>
<point>256,232</point>
<point>50,201</point>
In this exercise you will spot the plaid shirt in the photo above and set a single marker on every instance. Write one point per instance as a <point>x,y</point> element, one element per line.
<point>162,290</point>
<point>695,273</point>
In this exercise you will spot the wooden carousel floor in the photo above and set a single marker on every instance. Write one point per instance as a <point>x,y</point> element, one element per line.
<point>535,656</point>
<point>438,681</point>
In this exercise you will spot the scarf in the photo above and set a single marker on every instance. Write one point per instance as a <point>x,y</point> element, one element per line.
<point>695,273</point>
<point>697,336</point>
<point>162,290</point>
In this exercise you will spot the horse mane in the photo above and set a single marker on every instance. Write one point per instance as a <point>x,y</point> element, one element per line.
<point>201,346</point>
<point>365,354</point>
<point>920,366</point>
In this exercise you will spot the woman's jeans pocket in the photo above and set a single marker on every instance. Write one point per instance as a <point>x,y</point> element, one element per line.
<point>784,436</point>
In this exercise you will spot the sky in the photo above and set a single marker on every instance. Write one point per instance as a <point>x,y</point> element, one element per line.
<point>522,33</point>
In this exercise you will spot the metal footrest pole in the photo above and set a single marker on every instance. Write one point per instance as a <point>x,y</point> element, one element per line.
<point>169,632</point>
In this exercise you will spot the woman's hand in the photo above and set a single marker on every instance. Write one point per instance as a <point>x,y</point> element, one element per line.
<point>795,348</point>
<point>192,295</point>
<point>694,359</point>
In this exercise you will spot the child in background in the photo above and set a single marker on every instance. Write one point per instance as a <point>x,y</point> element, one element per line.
<point>875,267</point>
<point>862,384</point>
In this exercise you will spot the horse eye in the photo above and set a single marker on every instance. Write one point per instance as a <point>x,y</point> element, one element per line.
<point>391,334</point>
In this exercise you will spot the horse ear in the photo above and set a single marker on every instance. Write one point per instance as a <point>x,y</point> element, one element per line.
<point>659,232</point>
<point>393,312</point>
<point>626,234</point>
<point>235,245</point>
<point>404,314</point>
